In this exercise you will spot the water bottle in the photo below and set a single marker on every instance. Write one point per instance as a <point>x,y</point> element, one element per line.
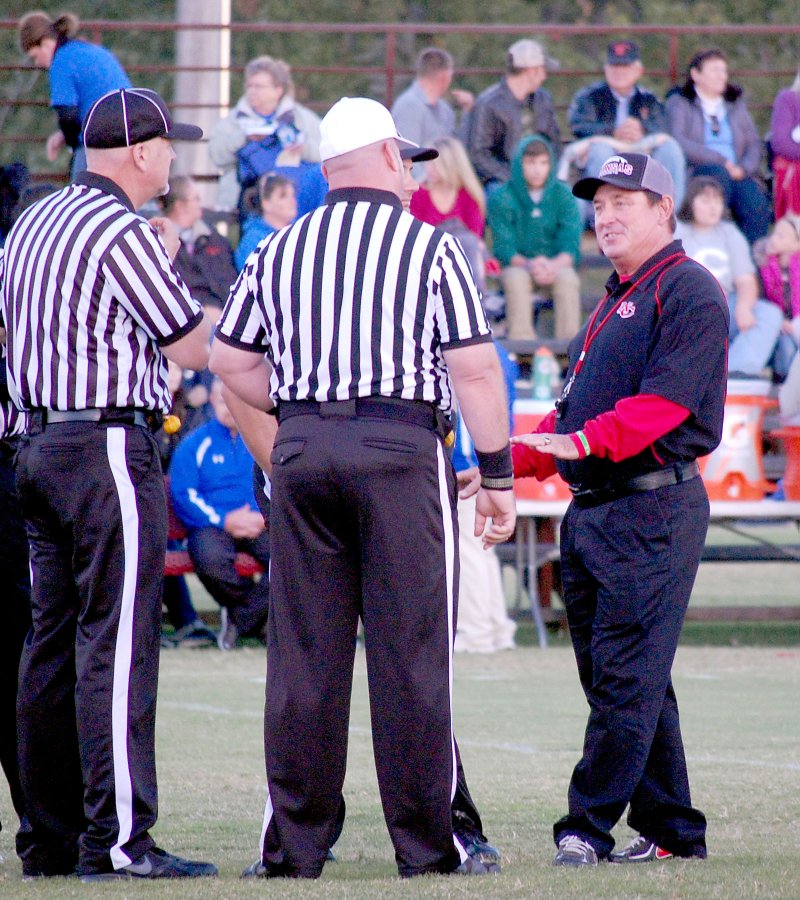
<point>544,366</point>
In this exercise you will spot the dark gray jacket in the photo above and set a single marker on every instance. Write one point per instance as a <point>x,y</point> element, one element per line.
<point>495,127</point>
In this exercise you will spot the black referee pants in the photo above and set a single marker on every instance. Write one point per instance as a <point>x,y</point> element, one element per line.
<point>16,615</point>
<point>362,523</point>
<point>94,505</point>
<point>628,569</point>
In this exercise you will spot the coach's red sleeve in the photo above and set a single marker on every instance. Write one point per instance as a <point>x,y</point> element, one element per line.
<point>634,424</point>
<point>529,462</point>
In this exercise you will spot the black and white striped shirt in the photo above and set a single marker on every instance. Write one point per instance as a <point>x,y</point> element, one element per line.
<point>89,295</point>
<point>356,299</point>
<point>12,421</point>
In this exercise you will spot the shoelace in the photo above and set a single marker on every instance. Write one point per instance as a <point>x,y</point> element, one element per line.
<point>573,842</point>
<point>640,843</point>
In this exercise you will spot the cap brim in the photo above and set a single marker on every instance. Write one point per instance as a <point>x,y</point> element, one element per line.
<point>419,154</point>
<point>180,131</point>
<point>586,188</point>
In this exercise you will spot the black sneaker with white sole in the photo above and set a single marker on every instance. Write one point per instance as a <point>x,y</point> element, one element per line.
<point>575,851</point>
<point>473,866</point>
<point>640,850</point>
<point>473,840</point>
<point>156,863</point>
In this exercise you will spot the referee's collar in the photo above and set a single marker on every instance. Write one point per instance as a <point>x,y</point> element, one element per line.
<point>93,180</point>
<point>361,194</point>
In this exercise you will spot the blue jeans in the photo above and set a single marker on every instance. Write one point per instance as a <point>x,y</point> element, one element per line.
<point>669,154</point>
<point>751,350</point>
<point>748,203</point>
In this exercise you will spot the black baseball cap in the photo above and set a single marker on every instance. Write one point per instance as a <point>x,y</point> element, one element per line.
<point>418,154</point>
<point>130,116</point>
<point>631,172</point>
<point>622,53</point>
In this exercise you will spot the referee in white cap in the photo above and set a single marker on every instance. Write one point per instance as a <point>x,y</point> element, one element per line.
<point>93,309</point>
<point>369,319</point>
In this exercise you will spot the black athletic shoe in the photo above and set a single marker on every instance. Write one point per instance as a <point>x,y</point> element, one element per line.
<point>473,866</point>
<point>36,874</point>
<point>640,850</point>
<point>575,851</point>
<point>156,863</point>
<point>256,870</point>
<point>195,634</point>
<point>474,842</point>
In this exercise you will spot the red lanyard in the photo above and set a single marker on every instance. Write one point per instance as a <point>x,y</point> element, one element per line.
<point>592,332</point>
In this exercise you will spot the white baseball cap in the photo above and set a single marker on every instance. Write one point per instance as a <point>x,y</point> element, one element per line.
<point>356,122</point>
<point>527,53</point>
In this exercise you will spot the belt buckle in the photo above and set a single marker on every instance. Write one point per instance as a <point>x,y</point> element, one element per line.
<point>344,409</point>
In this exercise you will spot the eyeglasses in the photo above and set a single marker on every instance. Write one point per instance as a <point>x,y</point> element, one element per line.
<point>715,125</point>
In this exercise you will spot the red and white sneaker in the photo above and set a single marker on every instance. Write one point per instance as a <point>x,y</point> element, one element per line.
<point>640,850</point>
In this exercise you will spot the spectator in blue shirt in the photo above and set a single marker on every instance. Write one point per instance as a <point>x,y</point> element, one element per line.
<point>278,199</point>
<point>211,482</point>
<point>80,73</point>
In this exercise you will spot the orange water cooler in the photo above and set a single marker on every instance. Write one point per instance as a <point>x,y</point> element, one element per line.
<point>735,470</point>
<point>527,415</point>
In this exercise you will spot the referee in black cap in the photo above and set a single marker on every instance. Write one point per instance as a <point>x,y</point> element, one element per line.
<point>369,319</point>
<point>93,309</point>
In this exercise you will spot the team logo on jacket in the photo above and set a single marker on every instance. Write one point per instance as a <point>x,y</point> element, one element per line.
<point>626,309</point>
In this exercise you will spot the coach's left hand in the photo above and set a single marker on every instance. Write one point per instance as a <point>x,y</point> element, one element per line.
<point>558,445</point>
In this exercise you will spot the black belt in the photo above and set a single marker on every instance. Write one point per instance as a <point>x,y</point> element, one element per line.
<point>39,419</point>
<point>674,474</point>
<point>413,412</point>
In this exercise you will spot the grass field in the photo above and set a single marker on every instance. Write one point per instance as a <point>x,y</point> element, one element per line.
<point>520,717</point>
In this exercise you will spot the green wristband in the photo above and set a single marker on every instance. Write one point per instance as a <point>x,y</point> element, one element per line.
<point>582,438</point>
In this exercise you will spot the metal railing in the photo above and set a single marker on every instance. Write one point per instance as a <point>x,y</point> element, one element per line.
<point>332,59</point>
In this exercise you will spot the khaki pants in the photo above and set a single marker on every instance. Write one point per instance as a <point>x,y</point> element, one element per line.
<point>518,287</point>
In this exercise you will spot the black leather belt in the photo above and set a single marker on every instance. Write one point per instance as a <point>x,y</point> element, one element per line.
<point>674,474</point>
<point>413,412</point>
<point>39,419</point>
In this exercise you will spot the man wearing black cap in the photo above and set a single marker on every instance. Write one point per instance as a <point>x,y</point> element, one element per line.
<point>93,309</point>
<point>644,397</point>
<point>627,115</point>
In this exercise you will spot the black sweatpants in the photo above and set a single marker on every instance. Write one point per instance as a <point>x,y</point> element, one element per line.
<point>628,569</point>
<point>16,615</point>
<point>95,511</point>
<point>362,524</point>
<point>213,552</point>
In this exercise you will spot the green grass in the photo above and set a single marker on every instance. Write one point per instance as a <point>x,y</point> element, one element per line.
<point>520,717</point>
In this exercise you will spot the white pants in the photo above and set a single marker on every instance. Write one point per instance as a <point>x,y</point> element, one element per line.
<point>483,622</point>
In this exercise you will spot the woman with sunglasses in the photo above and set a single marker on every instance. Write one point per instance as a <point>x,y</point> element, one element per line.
<point>708,117</point>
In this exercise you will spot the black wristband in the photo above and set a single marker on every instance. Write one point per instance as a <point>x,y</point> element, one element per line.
<point>497,464</point>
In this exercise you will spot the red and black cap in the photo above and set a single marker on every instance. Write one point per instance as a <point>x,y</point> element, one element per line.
<point>622,53</point>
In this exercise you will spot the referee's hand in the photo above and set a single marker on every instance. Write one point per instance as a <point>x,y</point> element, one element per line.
<point>469,482</point>
<point>167,230</point>
<point>499,507</point>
